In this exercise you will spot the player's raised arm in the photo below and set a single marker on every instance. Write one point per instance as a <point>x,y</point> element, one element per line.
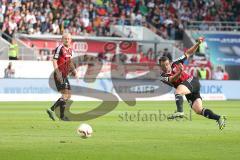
<point>193,49</point>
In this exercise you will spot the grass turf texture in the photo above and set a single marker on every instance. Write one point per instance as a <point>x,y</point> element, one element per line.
<point>26,132</point>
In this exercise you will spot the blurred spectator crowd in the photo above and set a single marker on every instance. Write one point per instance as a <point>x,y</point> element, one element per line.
<point>93,17</point>
<point>167,18</point>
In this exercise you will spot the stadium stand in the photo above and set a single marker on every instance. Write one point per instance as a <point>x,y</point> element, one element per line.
<point>167,18</point>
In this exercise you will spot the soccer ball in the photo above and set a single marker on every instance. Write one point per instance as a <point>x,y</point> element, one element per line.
<point>85,130</point>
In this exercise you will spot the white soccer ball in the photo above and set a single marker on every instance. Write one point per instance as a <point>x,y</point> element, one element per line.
<point>85,130</point>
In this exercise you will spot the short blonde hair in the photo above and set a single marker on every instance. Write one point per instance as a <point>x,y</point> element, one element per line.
<point>66,35</point>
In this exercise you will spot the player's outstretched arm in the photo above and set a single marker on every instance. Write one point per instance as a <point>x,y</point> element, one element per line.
<point>193,49</point>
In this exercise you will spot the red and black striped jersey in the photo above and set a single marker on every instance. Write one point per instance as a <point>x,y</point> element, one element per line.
<point>164,77</point>
<point>63,56</point>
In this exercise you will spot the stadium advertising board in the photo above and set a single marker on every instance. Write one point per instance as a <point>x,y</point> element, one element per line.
<point>224,49</point>
<point>39,89</point>
<point>83,46</point>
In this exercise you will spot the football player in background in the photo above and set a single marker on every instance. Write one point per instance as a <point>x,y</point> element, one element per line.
<point>63,66</point>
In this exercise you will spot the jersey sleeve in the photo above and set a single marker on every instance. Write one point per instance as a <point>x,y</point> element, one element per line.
<point>73,54</point>
<point>180,59</point>
<point>164,78</point>
<point>57,52</point>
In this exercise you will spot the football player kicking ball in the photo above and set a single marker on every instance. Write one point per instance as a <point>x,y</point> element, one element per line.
<point>174,75</point>
<point>63,66</point>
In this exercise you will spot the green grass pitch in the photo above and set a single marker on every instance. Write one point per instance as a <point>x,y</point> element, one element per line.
<point>27,133</point>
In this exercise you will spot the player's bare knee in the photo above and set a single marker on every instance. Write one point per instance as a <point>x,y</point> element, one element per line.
<point>197,110</point>
<point>178,91</point>
<point>65,96</point>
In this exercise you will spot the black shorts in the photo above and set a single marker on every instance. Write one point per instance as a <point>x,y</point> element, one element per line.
<point>62,85</point>
<point>193,85</point>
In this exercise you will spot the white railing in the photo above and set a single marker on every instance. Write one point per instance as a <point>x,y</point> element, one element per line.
<point>213,25</point>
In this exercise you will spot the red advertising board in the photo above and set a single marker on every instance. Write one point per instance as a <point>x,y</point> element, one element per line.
<point>86,45</point>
